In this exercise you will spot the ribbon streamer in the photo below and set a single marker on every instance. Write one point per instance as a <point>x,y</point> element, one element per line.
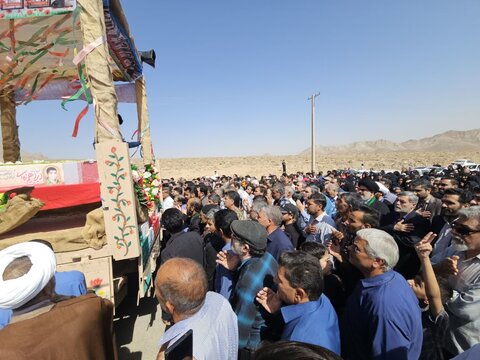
<point>77,121</point>
<point>88,49</point>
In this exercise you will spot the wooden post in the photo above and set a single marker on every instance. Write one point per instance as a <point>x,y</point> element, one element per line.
<point>11,143</point>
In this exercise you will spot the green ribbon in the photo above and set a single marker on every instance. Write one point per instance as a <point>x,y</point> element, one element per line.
<point>82,91</point>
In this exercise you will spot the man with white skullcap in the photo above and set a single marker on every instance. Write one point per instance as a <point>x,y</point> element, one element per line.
<point>79,328</point>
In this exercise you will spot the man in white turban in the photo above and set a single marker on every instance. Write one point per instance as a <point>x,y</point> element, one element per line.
<point>27,275</point>
<point>67,328</point>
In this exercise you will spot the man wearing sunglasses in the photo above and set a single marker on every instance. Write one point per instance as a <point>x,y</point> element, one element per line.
<point>461,271</point>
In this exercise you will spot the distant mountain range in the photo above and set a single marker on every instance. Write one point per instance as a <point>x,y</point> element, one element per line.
<point>26,156</point>
<point>448,141</point>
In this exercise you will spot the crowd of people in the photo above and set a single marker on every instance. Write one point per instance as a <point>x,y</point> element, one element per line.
<point>367,266</point>
<point>311,266</point>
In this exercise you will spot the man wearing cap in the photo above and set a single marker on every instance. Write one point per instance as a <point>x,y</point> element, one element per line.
<point>289,216</point>
<point>255,269</point>
<point>366,189</point>
<point>44,326</point>
<point>270,217</point>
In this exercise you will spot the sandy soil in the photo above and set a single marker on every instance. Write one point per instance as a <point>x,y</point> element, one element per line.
<point>262,165</point>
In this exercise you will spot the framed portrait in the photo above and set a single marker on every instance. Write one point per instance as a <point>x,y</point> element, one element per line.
<point>38,3</point>
<point>12,4</point>
<point>52,175</point>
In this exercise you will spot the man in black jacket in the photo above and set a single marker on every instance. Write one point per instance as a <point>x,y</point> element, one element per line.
<point>181,244</point>
<point>366,189</point>
<point>409,228</point>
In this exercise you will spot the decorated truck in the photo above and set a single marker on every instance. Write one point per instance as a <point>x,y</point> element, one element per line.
<point>101,216</point>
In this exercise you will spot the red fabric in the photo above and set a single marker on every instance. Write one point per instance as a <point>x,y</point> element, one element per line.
<point>61,196</point>
<point>89,172</point>
<point>155,223</point>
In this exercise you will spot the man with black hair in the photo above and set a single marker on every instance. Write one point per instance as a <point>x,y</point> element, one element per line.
<point>181,244</point>
<point>202,190</point>
<point>223,276</point>
<point>167,198</point>
<point>453,201</point>
<point>308,314</point>
<point>194,206</point>
<point>320,225</point>
<point>232,201</point>
<point>428,205</point>
<point>289,218</point>
<point>447,183</point>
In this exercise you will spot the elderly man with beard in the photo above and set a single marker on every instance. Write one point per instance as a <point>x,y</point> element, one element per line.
<point>367,189</point>
<point>409,228</point>
<point>461,268</point>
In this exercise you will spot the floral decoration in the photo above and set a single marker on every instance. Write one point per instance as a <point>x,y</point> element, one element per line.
<point>120,202</point>
<point>147,186</point>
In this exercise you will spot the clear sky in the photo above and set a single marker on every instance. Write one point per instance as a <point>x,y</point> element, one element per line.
<point>233,77</point>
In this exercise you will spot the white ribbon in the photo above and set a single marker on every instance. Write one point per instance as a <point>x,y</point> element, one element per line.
<point>88,49</point>
<point>17,292</point>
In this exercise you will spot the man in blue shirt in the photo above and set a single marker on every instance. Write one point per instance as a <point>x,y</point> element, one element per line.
<point>255,269</point>
<point>308,315</point>
<point>382,318</point>
<point>270,217</point>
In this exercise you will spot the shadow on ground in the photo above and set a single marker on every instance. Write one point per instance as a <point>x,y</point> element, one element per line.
<point>137,328</point>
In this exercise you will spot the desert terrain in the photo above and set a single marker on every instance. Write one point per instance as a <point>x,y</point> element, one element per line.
<point>263,165</point>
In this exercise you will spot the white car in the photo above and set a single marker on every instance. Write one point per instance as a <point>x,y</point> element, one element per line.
<point>463,162</point>
<point>474,168</point>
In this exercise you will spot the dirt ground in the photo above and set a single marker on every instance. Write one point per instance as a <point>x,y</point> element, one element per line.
<point>263,165</point>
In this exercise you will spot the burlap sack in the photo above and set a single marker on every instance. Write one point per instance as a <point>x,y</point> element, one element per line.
<point>18,211</point>
<point>94,230</point>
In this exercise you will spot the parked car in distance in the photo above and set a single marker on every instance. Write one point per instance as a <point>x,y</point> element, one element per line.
<point>463,162</point>
<point>475,167</point>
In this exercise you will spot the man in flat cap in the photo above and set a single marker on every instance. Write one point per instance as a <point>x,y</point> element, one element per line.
<point>255,269</point>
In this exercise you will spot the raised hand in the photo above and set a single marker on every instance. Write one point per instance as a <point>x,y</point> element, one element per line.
<point>426,214</point>
<point>401,226</point>
<point>338,235</point>
<point>335,250</point>
<point>228,260</point>
<point>269,300</point>
<point>424,246</point>
<point>300,206</point>
<point>310,229</point>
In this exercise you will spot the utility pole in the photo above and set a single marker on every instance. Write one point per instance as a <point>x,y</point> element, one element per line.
<point>313,129</point>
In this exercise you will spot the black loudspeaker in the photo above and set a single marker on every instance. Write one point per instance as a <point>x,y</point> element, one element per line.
<point>148,57</point>
<point>58,3</point>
